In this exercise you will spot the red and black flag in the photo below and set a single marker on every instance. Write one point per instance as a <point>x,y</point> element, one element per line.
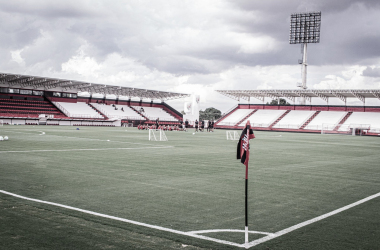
<point>243,145</point>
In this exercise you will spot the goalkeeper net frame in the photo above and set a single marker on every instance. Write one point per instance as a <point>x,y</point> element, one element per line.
<point>345,129</point>
<point>232,135</point>
<point>159,136</point>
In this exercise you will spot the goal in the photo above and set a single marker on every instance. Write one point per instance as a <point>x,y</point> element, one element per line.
<point>157,135</point>
<point>1,123</point>
<point>232,135</point>
<point>345,129</point>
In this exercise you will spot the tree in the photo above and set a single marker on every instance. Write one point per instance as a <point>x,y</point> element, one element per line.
<point>210,114</point>
<point>283,102</point>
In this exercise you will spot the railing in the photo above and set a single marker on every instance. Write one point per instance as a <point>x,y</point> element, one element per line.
<point>61,108</point>
<point>291,126</point>
<point>302,123</point>
<point>153,118</point>
<point>226,113</point>
<point>125,117</point>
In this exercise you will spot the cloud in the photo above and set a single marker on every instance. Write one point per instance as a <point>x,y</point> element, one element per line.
<point>190,45</point>
<point>372,72</point>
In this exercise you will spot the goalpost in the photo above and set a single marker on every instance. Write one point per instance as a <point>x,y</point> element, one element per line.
<point>345,129</point>
<point>160,136</point>
<point>1,122</point>
<point>232,135</point>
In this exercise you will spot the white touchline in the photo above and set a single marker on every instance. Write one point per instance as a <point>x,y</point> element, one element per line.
<point>195,233</point>
<point>308,222</point>
<point>125,220</point>
<point>78,149</point>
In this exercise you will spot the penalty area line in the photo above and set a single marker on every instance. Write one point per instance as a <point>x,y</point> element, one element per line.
<point>308,222</point>
<point>125,220</point>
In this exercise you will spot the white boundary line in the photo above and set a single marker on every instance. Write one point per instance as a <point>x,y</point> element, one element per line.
<point>195,233</point>
<point>82,138</point>
<point>124,220</point>
<point>78,149</point>
<point>305,223</point>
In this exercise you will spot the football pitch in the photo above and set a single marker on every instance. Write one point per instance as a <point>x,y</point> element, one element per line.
<point>111,188</point>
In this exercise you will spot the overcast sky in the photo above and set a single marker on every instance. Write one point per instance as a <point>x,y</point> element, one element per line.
<point>194,46</point>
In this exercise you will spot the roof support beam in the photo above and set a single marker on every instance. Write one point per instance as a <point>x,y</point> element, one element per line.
<point>340,96</point>
<point>360,97</point>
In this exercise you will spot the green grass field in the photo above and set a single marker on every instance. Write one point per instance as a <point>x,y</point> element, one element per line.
<point>189,183</point>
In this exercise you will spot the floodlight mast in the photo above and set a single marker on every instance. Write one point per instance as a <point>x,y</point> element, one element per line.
<point>304,28</point>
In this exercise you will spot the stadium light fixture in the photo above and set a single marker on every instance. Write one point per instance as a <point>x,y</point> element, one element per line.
<point>304,28</point>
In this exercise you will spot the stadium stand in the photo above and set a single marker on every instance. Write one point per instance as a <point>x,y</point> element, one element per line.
<point>78,110</point>
<point>363,119</point>
<point>325,117</point>
<point>155,112</point>
<point>12,107</point>
<point>263,118</point>
<point>235,117</point>
<point>118,111</point>
<point>295,119</point>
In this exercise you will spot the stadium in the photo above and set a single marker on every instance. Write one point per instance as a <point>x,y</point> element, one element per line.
<point>87,166</point>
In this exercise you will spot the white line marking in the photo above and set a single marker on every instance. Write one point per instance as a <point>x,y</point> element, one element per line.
<point>305,223</point>
<point>79,149</point>
<point>227,230</point>
<point>194,233</point>
<point>84,138</point>
<point>125,220</point>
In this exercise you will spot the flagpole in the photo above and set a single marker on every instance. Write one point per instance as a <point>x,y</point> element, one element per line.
<point>246,204</point>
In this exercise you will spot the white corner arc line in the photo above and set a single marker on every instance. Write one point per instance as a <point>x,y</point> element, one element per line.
<point>246,245</point>
<point>126,220</point>
<point>305,223</point>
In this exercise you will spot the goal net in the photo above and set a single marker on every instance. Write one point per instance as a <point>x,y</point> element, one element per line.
<point>232,135</point>
<point>345,129</point>
<point>1,123</point>
<point>157,135</point>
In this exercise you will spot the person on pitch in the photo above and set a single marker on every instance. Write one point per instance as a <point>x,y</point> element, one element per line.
<point>202,126</point>
<point>157,123</point>
<point>196,125</point>
<point>186,124</point>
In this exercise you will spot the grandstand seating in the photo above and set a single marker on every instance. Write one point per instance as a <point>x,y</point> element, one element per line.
<point>118,111</point>
<point>325,117</point>
<point>363,119</point>
<point>27,108</point>
<point>295,119</point>
<point>154,112</point>
<point>235,117</point>
<point>263,117</point>
<point>78,110</point>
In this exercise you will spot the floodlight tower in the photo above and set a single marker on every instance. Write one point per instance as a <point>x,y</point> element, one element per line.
<point>304,28</point>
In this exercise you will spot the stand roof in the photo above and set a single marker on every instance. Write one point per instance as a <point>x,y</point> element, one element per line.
<point>72,86</point>
<point>291,94</point>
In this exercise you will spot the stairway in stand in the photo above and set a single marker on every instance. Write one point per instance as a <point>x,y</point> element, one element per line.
<point>139,113</point>
<point>343,120</point>
<point>310,119</point>
<point>278,119</point>
<point>105,117</point>
<point>237,124</point>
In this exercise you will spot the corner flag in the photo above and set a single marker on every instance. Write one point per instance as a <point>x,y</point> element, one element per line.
<point>243,154</point>
<point>243,145</point>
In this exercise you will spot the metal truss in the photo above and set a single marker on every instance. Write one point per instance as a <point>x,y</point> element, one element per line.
<point>55,84</point>
<point>308,94</point>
